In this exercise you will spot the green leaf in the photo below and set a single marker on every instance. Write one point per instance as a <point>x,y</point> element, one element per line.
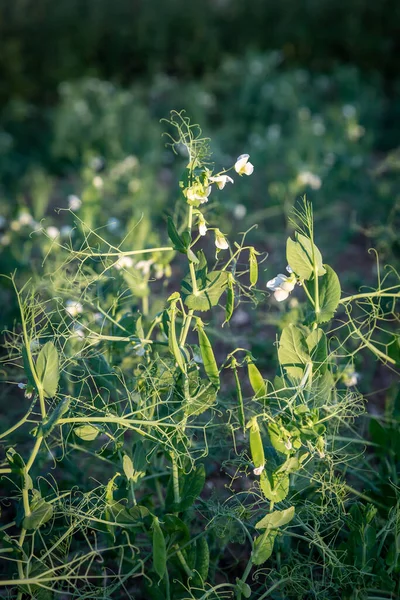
<point>59,411</point>
<point>159,549</point>
<point>317,346</point>
<point>209,295</point>
<point>47,369</point>
<point>15,461</point>
<point>329,295</point>
<point>174,236</point>
<point>299,255</point>
<point>276,519</point>
<point>293,351</point>
<point>243,588</point>
<point>275,485</point>
<point>88,433</point>
<point>192,487</point>
<point>208,358</point>
<point>263,546</point>
<point>206,397</point>
<point>176,529</point>
<point>278,438</point>
<point>41,512</point>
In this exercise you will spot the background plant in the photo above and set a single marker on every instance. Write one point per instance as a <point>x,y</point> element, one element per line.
<point>133,407</point>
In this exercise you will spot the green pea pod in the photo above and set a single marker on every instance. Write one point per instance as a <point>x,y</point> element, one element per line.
<point>256,380</point>
<point>159,549</point>
<point>256,445</point>
<point>207,355</point>
<point>230,300</point>
<point>239,394</point>
<point>172,339</point>
<point>253,267</point>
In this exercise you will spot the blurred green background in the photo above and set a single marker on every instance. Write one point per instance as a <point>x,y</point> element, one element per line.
<point>308,88</point>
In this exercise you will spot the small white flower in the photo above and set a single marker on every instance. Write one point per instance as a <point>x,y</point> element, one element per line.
<point>25,218</point>
<point>221,180</point>
<point>22,386</point>
<point>140,351</point>
<point>98,182</point>
<point>52,232</point>
<point>350,377</point>
<point>308,178</point>
<point>198,193</point>
<point>243,166</point>
<point>74,203</point>
<point>202,225</point>
<point>15,225</point>
<point>34,345</point>
<point>144,266</point>
<point>5,240</point>
<point>98,317</point>
<point>355,132</point>
<point>220,240</point>
<point>258,470</point>
<point>73,308</point>
<point>240,211</point>
<point>288,445</point>
<point>78,333</point>
<point>124,262</point>
<point>282,285</point>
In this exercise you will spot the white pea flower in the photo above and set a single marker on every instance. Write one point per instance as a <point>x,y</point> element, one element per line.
<point>98,182</point>
<point>5,240</point>
<point>22,386</point>
<point>140,351</point>
<point>243,166</point>
<point>144,266</point>
<point>73,308</point>
<point>52,232</point>
<point>282,285</point>
<point>288,445</point>
<point>220,240</point>
<point>240,211</point>
<point>34,345</point>
<point>124,262</point>
<point>15,225</point>
<point>350,377</point>
<point>25,218</point>
<point>308,178</point>
<point>258,470</point>
<point>74,203</point>
<point>221,180</point>
<point>198,193</point>
<point>78,333</point>
<point>202,225</point>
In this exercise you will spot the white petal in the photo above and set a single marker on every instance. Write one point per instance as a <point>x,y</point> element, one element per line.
<point>276,282</point>
<point>241,162</point>
<point>280,294</point>
<point>258,470</point>
<point>289,269</point>
<point>248,168</point>
<point>202,229</point>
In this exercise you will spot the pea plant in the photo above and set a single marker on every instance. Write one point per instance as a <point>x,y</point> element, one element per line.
<point>148,465</point>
